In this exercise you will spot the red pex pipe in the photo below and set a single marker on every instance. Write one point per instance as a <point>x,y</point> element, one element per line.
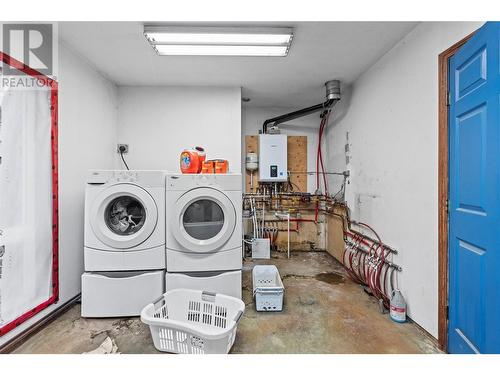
<point>349,270</point>
<point>348,264</point>
<point>372,271</point>
<point>297,221</point>
<point>363,241</point>
<point>373,276</point>
<point>369,227</point>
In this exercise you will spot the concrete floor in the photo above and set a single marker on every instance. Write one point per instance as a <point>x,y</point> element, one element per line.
<point>324,312</point>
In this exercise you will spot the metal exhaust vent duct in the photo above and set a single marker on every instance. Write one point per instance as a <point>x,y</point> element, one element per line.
<point>332,96</point>
<point>333,89</point>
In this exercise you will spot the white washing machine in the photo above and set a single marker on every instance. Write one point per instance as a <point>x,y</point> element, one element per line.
<point>124,248</point>
<point>204,232</point>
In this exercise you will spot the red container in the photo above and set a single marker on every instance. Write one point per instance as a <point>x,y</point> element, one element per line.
<point>221,166</point>
<point>208,167</point>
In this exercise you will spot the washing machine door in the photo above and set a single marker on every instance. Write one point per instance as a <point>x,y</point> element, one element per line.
<point>203,220</point>
<point>123,216</point>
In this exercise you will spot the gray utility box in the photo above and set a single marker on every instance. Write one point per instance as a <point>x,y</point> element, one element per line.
<point>261,248</point>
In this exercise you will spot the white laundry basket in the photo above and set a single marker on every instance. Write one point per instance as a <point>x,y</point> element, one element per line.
<point>268,288</point>
<point>192,321</point>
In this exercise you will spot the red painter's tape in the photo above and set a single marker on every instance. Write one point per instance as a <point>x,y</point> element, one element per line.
<point>54,91</point>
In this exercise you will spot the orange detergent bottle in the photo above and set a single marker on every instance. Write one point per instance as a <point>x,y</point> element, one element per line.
<point>191,160</point>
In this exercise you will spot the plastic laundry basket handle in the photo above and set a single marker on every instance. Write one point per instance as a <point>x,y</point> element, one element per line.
<point>238,316</point>
<point>208,296</point>
<point>158,300</point>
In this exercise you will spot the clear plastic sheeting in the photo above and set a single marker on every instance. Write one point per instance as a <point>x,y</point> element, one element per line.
<point>26,244</point>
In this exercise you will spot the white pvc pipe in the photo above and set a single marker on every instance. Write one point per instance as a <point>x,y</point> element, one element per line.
<point>254,219</point>
<point>263,222</point>
<point>288,234</point>
<point>252,209</point>
<point>287,216</point>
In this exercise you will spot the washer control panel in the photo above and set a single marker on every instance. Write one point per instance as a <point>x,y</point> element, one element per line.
<point>106,177</point>
<point>125,176</point>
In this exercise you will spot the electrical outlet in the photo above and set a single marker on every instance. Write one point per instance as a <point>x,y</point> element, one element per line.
<point>122,146</point>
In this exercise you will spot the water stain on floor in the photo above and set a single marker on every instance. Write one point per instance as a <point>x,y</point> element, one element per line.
<point>330,278</point>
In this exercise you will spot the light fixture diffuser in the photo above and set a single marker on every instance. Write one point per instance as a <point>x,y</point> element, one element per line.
<point>219,50</point>
<point>219,41</point>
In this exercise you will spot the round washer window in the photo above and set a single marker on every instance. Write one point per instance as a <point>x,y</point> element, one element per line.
<point>125,215</point>
<point>203,219</point>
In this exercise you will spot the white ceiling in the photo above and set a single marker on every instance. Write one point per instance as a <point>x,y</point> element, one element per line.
<point>320,51</point>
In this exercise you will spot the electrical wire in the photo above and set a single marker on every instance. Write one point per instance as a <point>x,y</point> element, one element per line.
<point>342,189</point>
<point>291,184</point>
<point>294,184</point>
<point>124,162</point>
<point>319,161</point>
<point>325,124</point>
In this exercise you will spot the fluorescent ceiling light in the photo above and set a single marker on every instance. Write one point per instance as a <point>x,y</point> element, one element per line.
<point>197,38</point>
<point>219,41</point>
<point>220,50</point>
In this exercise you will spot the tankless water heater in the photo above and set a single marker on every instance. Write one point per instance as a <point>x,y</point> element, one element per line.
<point>273,158</point>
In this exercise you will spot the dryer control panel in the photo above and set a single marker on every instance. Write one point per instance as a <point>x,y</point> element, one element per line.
<point>185,182</point>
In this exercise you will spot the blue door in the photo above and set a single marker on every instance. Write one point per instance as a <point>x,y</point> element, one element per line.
<point>474,191</point>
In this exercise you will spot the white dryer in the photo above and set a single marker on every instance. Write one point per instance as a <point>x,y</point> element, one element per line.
<point>124,244</point>
<point>204,231</point>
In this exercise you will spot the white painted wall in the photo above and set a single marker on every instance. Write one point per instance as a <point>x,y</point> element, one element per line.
<point>253,117</point>
<point>391,115</point>
<point>87,139</point>
<point>159,122</point>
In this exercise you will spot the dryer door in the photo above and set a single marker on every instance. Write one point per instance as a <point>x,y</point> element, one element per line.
<point>203,220</point>
<point>123,216</point>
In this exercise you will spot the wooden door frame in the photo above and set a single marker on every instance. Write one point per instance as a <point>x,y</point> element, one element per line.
<point>443,192</point>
